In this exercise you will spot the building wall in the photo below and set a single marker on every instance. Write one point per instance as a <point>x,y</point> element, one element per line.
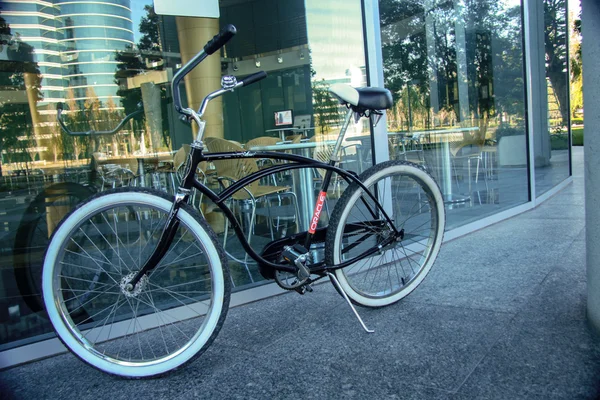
<point>460,88</point>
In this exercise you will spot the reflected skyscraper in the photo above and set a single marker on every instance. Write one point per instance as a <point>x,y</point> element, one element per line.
<point>74,44</point>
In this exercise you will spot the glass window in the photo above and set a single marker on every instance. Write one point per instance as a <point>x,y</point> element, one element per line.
<point>85,20</point>
<point>95,32</point>
<point>305,46</point>
<point>551,144</point>
<point>456,73</point>
<point>91,8</point>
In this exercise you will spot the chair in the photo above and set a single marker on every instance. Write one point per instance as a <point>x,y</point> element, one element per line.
<point>413,147</point>
<point>323,152</point>
<point>295,138</point>
<point>262,141</point>
<point>235,142</point>
<point>469,151</point>
<point>114,172</point>
<point>229,171</point>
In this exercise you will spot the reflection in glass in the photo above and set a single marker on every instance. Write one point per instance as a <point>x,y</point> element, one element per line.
<point>552,141</point>
<point>455,69</point>
<point>102,59</point>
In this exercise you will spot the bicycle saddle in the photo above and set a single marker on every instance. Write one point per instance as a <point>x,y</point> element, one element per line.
<point>369,98</point>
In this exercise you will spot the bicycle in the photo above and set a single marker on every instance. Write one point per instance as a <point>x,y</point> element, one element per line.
<point>161,286</point>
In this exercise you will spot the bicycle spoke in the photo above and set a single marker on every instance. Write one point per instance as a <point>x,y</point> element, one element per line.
<point>119,329</point>
<point>410,204</point>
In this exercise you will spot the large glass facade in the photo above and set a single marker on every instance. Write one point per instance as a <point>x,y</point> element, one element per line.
<point>101,59</point>
<point>456,71</point>
<point>551,141</point>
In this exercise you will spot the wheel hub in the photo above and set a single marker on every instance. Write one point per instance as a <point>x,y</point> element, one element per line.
<point>126,288</point>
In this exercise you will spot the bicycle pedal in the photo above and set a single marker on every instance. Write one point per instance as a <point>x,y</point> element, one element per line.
<point>300,290</point>
<point>303,289</point>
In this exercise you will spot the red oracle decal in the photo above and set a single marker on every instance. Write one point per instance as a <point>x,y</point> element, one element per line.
<point>318,208</point>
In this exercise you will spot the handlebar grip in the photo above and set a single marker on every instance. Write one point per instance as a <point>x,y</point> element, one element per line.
<point>220,39</point>
<point>249,80</point>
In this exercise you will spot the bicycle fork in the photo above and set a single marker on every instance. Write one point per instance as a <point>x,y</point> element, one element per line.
<point>165,240</point>
<point>172,223</point>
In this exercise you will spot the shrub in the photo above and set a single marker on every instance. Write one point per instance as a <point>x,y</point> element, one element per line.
<point>577,134</point>
<point>559,142</point>
<point>509,130</point>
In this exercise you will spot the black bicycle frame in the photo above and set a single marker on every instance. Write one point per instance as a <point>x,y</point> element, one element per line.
<point>189,181</point>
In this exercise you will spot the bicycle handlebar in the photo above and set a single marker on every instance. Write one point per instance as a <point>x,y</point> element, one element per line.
<point>91,132</point>
<point>220,39</point>
<point>210,47</point>
<point>249,80</point>
<point>213,45</point>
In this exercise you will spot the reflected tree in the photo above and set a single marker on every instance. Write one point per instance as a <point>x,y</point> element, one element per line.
<point>555,42</point>
<point>145,56</point>
<point>405,61</point>
<point>576,65</point>
<point>20,76</point>
<point>434,49</point>
<point>326,109</point>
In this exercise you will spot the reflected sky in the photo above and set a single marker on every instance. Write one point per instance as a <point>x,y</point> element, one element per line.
<point>335,38</point>
<point>137,12</point>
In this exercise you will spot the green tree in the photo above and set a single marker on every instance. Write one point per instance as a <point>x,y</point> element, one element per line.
<point>326,108</point>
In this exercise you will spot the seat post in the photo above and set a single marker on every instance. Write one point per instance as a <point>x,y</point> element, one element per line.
<point>338,144</point>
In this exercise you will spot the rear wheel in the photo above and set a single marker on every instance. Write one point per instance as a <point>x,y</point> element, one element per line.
<point>414,203</point>
<point>174,312</point>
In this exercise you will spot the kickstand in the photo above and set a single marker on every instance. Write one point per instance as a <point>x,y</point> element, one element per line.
<point>339,287</point>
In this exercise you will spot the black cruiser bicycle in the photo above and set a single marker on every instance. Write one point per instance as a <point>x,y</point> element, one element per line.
<point>136,283</point>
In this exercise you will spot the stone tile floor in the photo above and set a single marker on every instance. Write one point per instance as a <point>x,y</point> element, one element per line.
<point>501,316</point>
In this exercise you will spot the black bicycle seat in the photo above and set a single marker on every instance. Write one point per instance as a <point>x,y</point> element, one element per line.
<point>369,98</point>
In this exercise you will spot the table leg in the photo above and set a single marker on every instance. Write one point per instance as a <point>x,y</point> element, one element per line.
<point>141,172</point>
<point>302,181</point>
<point>446,177</point>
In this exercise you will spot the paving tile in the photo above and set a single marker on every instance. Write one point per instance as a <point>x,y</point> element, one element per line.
<point>567,197</point>
<point>498,268</point>
<point>538,359</point>
<point>256,325</point>
<point>557,210</point>
<point>67,377</point>
<point>581,236</point>
<point>416,352</point>
<point>503,253</point>
<point>562,294</point>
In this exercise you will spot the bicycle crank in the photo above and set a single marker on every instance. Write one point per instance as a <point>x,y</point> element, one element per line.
<point>299,281</point>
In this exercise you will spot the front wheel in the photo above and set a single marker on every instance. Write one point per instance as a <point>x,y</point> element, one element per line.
<point>406,247</point>
<point>174,312</point>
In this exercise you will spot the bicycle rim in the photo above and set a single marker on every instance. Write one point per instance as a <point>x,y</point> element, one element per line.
<point>414,203</point>
<point>170,316</point>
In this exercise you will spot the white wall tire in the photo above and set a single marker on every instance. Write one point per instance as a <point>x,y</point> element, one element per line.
<point>416,204</point>
<point>157,305</point>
